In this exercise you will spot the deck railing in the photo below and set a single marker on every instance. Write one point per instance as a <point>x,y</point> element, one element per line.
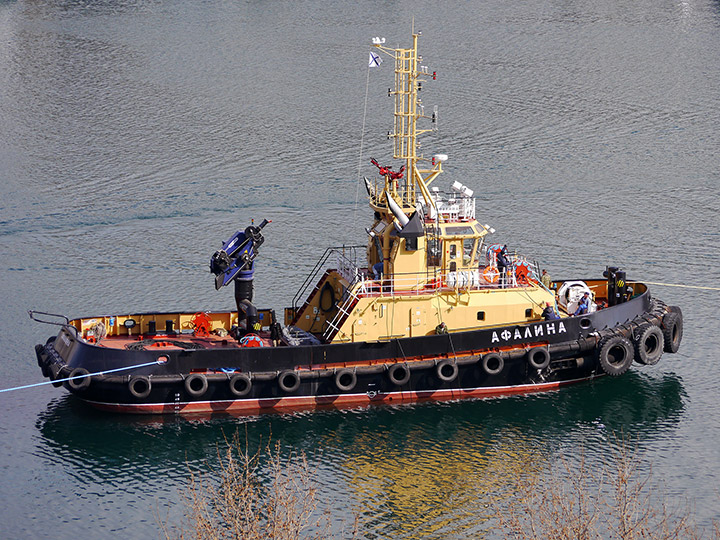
<point>346,261</point>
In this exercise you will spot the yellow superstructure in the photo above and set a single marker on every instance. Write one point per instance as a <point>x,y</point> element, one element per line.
<point>426,267</point>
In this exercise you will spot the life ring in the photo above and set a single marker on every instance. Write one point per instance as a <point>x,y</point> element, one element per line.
<point>399,374</point>
<point>493,363</point>
<point>251,340</point>
<point>196,384</point>
<point>672,329</point>
<point>616,355</point>
<point>140,386</point>
<point>90,338</point>
<point>289,381</point>
<point>345,379</point>
<point>447,370</point>
<point>538,358</point>
<point>491,274</point>
<point>240,384</point>
<point>79,384</point>
<point>649,343</point>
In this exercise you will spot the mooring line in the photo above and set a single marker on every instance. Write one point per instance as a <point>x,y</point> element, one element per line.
<point>81,376</point>
<point>683,286</point>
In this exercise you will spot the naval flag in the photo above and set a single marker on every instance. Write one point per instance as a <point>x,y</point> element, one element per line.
<point>375,60</point>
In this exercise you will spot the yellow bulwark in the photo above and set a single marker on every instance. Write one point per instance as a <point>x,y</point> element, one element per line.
<point>428,268</point>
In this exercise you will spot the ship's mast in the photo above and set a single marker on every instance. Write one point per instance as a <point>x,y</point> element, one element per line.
<point>408,110</point>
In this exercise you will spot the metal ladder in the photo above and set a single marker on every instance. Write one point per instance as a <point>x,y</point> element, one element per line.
<point>345,306</point>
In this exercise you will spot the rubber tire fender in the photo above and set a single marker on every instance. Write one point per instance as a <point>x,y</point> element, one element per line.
<point>672,329</point>
<point>403,377</point>
<point>290,385</point>
<point>190,384</point>
<point>42,361</point>
<point>78,385</point>
<point>615,355</point>
<point>143,391</point>
<point>493,359</point>
<point>538,358</point>
<point>345,380</point>
<point>649,341</point>
<point>447,370</point>
<point>245,384</point>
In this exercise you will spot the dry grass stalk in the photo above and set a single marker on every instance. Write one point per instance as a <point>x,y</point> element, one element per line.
<point>239,500</point>
<point>612,501</point>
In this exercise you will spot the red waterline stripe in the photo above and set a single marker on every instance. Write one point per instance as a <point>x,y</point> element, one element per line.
<point>292,403</point>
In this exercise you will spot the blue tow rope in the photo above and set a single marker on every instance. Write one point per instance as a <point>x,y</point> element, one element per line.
<point>81,376</point>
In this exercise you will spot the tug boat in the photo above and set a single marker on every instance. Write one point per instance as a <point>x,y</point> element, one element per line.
<point>429,309</point>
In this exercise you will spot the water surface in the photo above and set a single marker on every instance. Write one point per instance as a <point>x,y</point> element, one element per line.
<point>135,136</point>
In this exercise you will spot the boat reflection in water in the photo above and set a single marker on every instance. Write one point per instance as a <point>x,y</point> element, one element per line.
<point>415,470</point>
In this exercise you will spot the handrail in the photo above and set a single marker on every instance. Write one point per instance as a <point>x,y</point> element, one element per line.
<point>33,315</point>
<point>311,278</point>
<point>347,300</point>
<point>422,283</point>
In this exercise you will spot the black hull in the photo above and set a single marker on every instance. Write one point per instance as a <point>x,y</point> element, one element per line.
<point>522,358</point>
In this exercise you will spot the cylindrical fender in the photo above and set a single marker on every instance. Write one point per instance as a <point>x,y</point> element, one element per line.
<point>79,384</point>
<point>672,329</point>
<point>240,384</point>
<point>447,370</point>
<point>493,363</point>
<point>616,355</point>
<point>289,381</point>
<point>140,386</point>
<point>196,384</point>
<point>538,357</point>
<point>399,374</point>
<point>345,380</point>
<point>649,341</point>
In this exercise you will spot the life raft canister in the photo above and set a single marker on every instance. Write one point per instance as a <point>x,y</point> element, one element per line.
<point>251,340</point>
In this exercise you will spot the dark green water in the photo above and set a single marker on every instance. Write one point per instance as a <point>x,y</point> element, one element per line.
<point>136,136</point>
